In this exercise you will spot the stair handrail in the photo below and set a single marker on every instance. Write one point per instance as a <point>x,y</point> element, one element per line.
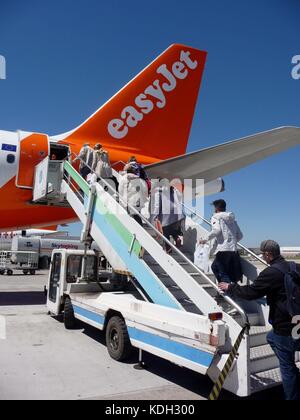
<point>117,163</point>
<point>257,257</point>
<point>173,247</point>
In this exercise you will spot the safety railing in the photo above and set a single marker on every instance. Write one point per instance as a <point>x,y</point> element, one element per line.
<point>118,163</point>
<point>247,250</point>
<point>166,241</point>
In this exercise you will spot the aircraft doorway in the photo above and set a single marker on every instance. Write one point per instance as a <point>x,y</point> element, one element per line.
<point>58,151</point>
<point>33,149</point>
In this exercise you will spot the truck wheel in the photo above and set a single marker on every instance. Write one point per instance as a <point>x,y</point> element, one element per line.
<point>2,272</point>
<point>69,318</point>
<point>9,272</point>
<point>32,272</point>
<point>117,339</point>
<point>25,272</point>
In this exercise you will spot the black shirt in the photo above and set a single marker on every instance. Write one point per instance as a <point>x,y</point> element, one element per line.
<point>270,283</point>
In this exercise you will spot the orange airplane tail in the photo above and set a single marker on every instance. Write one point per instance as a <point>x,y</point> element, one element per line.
<point>151,116</point>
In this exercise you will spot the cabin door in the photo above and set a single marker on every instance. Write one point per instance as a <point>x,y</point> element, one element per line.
<point>32,150</point>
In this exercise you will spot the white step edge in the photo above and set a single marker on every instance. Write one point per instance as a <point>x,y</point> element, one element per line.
<point>266,379</point>
<point>262,358</point>
<point>258,335</point>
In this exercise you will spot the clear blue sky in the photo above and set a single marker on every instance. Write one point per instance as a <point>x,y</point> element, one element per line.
<point>65,58</point>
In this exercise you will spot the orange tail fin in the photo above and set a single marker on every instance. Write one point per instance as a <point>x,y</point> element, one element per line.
<point>151,116</point>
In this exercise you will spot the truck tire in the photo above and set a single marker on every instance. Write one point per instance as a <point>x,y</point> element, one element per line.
<point>69,317</point>
<point>25,272</point>
<point>2,272</point>
<point>9,272</point>
<point>32,272</point>
<point>117,339</point>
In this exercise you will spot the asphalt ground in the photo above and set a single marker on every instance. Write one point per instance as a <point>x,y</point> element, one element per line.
<point>41,360</point>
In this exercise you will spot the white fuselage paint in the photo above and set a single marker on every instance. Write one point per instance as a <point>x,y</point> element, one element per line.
<point>7,138</point>
<point>8,170</point>
<point>29,233</point>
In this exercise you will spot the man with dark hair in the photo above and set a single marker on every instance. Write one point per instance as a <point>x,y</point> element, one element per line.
<point>220,205</point>
<point>226,234</point>
<point>271,283</point>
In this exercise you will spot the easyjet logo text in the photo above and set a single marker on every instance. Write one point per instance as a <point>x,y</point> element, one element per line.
<point>154,96</point>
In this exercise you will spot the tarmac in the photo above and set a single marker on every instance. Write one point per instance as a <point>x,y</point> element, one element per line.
<point>40,360</point>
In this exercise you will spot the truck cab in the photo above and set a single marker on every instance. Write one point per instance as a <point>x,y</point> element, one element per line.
<point>67,269</point>
<point>74,271</point>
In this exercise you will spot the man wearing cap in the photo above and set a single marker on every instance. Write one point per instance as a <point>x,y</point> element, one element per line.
<point>226,234</point>
<point>271,283</point>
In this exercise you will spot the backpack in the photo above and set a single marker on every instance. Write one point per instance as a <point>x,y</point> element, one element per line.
<point>103,168</point>
<point>141,173</point>
<point>292,287</point>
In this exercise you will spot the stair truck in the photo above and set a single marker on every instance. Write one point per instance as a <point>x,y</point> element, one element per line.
<point>161,303</point>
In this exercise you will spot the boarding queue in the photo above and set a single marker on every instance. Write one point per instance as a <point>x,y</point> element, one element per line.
<point>279,282</point>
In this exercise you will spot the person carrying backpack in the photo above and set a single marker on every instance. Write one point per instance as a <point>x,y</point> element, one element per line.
<point>86,158</point>
<point>139,170</point>
<point>280,283</point>
<point>101,162</point>
<point>166,208</point>
<point>134,192</point>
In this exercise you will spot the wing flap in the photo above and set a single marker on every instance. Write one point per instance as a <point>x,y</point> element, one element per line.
<point>218,161</point>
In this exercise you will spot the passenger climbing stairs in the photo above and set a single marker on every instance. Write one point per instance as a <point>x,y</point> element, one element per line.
<point>171,280</point>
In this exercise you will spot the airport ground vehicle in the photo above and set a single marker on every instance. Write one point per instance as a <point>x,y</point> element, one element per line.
<point>120,310</point>
<point>44,247</point>
<point>167,309</point>
<point>24,261</point>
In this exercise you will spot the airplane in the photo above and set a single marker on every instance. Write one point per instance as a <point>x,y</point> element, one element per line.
<point>28,233</point>
<point>149,118</point>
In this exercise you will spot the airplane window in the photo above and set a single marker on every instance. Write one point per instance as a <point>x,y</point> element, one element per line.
<point>10,159</point>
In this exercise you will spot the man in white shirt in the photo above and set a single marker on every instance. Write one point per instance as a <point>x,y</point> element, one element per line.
<point>226,234</point>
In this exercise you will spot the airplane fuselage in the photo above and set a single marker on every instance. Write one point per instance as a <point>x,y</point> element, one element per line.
<point>20,152</point>
<point>149,118</point>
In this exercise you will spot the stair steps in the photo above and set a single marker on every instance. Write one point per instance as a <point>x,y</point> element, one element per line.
<point>262,358</point>
<point>266,379</point>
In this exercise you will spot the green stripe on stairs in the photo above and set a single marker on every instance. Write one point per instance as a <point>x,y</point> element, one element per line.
<point>103,210</point>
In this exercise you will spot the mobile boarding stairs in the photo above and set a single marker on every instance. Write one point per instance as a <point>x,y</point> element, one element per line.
<point>170,288</point>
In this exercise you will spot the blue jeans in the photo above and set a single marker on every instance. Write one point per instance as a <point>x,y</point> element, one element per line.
<point>227,267</point>
<point>285,349</point>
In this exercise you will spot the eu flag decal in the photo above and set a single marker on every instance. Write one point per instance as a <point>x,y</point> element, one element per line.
<point>9,148</point>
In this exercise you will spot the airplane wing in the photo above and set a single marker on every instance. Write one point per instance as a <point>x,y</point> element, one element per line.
<point>214,162</point>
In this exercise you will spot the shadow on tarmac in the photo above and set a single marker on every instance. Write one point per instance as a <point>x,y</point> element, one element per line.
<point>185,378</point>
<point>22,298</point>
<point>182,377</point>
